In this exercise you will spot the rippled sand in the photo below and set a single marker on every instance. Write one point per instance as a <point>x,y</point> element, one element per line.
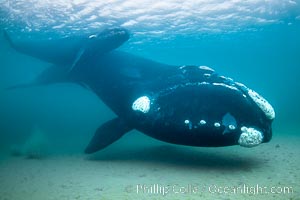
<point>158,171</point>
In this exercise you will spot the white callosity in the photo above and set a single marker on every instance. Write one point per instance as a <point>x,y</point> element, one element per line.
<point>217,124</point>
<point>250,137</point>
<point>206,68</point>
<point>189,123</point>
<point>263,104</point>
<point>231,127</point>
<point>225,85</point>
<point>241,85</point>
<point>202,122</point>
<point>92,36</point>
<point>206,75</point>
<point>141,104</point>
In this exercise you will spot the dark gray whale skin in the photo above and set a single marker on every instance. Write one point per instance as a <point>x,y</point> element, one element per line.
<point>186,105</point>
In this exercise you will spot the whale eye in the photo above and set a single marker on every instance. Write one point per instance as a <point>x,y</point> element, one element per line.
<point>141,104</point>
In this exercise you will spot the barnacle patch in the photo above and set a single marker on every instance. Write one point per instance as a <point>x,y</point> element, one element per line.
<point>263,104</point>
<point>250,137</point>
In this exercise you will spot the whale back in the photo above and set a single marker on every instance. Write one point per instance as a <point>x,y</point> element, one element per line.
<point>67,51</point>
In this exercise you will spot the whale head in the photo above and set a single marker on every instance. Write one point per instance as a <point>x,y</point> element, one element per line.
<point>108,39</point>
<point>201,108</point>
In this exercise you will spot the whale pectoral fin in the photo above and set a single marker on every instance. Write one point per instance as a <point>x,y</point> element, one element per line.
<point>77,59</point>
<point>106,134</point>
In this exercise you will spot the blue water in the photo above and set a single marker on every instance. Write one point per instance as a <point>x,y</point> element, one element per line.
<point>256,43</point>
<point>253,42</point>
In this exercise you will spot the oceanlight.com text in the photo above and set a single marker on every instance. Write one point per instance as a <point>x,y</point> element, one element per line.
<point>246,189</point>
<point>160,189</point>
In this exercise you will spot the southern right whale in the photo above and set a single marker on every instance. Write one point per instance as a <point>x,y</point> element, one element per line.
<point>186,105</point>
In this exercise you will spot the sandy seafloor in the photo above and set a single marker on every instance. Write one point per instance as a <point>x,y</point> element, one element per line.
<point>119,170</point>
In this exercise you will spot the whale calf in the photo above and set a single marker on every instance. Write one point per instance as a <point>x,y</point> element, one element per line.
<point>185,105</point>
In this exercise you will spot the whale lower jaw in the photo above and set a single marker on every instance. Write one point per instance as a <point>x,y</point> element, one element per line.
<point>250,137</point>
